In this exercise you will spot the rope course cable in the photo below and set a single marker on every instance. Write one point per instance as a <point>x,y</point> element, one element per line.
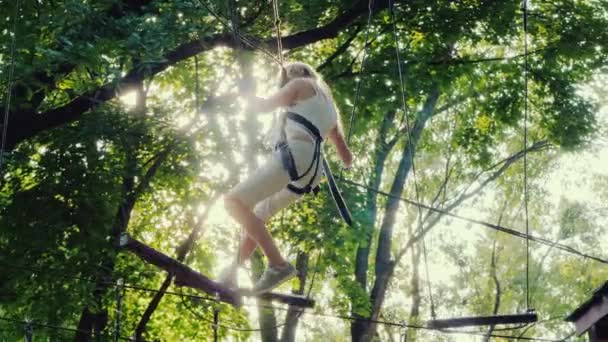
<point>9,84</point>
<point>213,322</point>
<point>255,45</point>
<point>277,27</point>
<point>370,5</point>
<point>417,202</point>
<point>503,229</point>
<point>54,327</point>
<point>410,149</point>
<point>350,318</point>
<point>216,300</point>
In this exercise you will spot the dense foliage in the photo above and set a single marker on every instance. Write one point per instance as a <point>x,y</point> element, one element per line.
<point>125,115</point>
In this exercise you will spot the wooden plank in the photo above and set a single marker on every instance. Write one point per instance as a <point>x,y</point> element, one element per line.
<point>184,275</point>
<point>591,315</point>
<point>529,317</point>
<point>295,300</point>
<point>598,295</point>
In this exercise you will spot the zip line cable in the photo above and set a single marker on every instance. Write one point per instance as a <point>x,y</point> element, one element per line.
<point>9,85</point>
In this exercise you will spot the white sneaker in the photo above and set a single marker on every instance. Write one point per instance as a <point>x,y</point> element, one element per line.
<point>273,277</point>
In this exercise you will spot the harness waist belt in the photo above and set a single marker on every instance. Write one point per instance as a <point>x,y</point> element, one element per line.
<point>290,165</point>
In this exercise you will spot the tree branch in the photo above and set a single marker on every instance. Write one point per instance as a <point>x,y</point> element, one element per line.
<point>463,196</point>
<point>27,124</point>
<point>341,49</point>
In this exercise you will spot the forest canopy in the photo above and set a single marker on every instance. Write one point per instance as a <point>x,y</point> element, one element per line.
<point>129,116</point>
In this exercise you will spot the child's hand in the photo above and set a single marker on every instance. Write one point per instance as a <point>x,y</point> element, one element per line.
<point>347,159</point>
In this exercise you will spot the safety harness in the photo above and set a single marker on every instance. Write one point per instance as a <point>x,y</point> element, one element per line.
<point>287,156</point>
<point>289,163</point>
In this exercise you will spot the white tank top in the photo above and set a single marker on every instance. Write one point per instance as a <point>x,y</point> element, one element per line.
<point>318,109</point>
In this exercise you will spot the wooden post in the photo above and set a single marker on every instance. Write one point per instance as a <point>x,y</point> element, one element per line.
<point>592,315</point>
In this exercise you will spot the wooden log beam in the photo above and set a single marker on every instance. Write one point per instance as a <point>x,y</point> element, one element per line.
<point>185,276</point>
<point>591,312</point>
<point>295,300</point>
<point>529,317</point>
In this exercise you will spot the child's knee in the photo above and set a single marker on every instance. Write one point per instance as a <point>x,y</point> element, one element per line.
<point>232,203</point>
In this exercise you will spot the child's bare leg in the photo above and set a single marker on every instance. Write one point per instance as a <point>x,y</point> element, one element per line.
<point>248,245</point>
<point>255,229</point>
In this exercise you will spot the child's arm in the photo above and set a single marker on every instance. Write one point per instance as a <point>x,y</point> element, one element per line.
<point>343,151</point>
<point>282,98</point>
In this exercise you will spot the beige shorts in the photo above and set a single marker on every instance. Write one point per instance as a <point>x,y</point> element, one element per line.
<point>265,190</point>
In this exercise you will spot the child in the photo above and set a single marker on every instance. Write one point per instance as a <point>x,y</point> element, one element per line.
<point>310,115</point>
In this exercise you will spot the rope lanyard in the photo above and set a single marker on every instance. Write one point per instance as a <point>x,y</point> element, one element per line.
<point>277,27</point>
<point>251,42</point>
<point>370,5</point>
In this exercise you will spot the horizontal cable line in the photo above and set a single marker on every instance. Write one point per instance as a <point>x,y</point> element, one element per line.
<point>503,229</point>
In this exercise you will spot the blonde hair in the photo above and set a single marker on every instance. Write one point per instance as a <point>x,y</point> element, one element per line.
<point>296,70</point>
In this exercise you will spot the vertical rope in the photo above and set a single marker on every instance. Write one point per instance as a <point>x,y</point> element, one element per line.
<point>525,23</point>
<point>253,43</point>
<point>370,5</point>
<point>234,28</point>
<point>411,153</point>
<point>9,86</point>
<point>277,26</point>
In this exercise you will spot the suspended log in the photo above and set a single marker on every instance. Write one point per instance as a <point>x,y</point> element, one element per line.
<point>289,299</point>
<point>528,317</point>
<point>185,276</point>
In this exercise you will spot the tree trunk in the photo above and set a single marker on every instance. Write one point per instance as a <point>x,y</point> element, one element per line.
<point>410,334</point>
<point>382,152</point>
<point>362,330</point>
<point>362,257</point>
<point>293,313</point>
<point>94,319</point>
<point>267,318</point>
